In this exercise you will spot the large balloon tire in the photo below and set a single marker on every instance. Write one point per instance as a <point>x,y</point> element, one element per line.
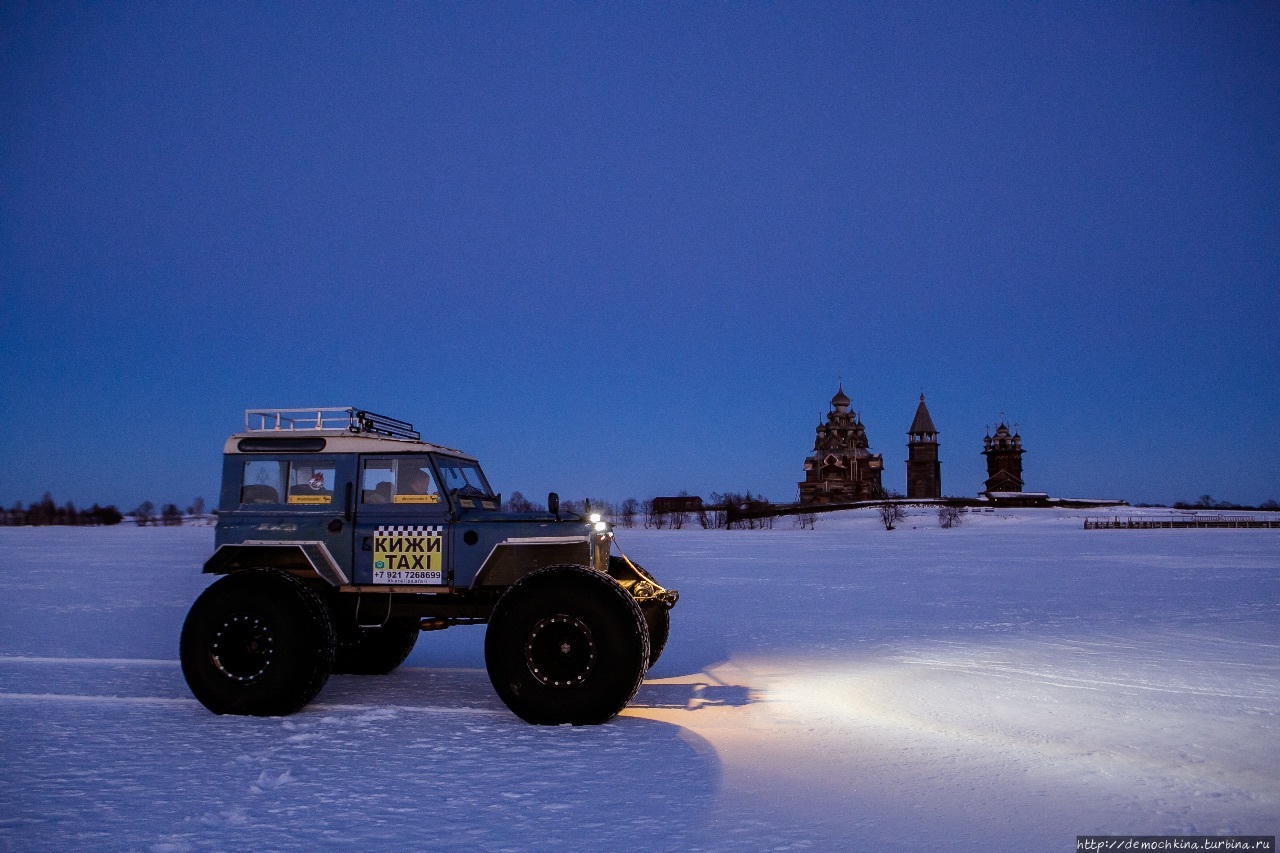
<point>375,651</point>
<point>257,642</point>
<point>566,644</point>
<point>657,616</point>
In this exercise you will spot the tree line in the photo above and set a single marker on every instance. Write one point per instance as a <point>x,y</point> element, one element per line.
<point>636,513</point>
<point>633,513</point>
<point>1207,502</point>
<point>47,511</point>
<point>145,515</point>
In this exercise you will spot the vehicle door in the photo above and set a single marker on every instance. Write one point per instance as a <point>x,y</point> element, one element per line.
<point>401,518</point>
<point>470,539</point>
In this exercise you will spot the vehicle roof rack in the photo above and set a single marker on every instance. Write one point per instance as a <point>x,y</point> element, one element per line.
<point>328,419</point>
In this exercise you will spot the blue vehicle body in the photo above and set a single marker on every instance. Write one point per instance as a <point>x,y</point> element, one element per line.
<point>341,535</point>
<point>332,501</point>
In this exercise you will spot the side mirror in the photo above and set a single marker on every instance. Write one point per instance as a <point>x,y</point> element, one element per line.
<point>553,505</point>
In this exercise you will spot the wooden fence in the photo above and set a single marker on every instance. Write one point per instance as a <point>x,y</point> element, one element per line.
<point>1179,521</point>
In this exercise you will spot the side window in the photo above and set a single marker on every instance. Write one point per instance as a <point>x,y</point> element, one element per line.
<point>263,481</point>
<point>398,481</point>
<point>416,485</point>
<point>311,482</point>
<point>377,481</point>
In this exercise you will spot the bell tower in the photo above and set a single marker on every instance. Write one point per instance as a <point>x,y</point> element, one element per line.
<point>924,471</point>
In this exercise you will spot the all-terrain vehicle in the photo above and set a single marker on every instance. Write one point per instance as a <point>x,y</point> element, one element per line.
<point>341,535</point>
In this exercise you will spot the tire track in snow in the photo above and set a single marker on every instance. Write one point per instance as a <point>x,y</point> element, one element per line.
<point>90,661</point>
<point>99,700</point>
<point>1075,682</point>
<point>318,707</point>
<point>321,707</point>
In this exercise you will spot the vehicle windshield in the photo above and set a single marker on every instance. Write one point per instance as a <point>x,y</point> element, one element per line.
<point>462,476</point>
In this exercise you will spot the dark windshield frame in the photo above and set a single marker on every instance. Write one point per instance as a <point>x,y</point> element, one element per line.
<point>462,477</point>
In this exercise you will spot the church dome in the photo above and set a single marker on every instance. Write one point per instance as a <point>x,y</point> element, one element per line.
<point>840,401</point>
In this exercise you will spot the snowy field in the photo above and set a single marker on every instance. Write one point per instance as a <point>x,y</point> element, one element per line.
<point>1006,685</point>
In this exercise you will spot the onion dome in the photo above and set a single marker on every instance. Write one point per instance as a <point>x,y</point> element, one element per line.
<point>840,402</point>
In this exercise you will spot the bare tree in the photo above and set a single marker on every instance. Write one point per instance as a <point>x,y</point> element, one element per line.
<point>804,520</point>
<point>44,512</point>
<point>518,503</point>
<point>757,506</point>
<point>949,516</point>
<point>144,514</point>
<point>652,519</point>
<point>766,521</point>
<point>678,519</point>
<point>197,507</point>
<point>171,516</point>
<point>719,517</point>
<point>106,515</point>
<point>891,512</point>
<point>627,514</point>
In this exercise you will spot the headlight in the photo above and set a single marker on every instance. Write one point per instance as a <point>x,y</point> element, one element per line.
<point>601,526</point>
<point>596,518</point>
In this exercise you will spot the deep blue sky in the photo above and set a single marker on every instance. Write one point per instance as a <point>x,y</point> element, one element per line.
<point>624,249</point>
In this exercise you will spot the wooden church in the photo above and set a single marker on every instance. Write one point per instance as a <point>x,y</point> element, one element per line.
<point>842,468</point>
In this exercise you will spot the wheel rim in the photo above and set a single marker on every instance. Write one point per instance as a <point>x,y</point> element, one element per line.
<point>243,647</point>
<point>560,651</point>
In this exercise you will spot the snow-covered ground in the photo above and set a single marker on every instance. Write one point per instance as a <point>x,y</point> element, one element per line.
<point>1005,685</point>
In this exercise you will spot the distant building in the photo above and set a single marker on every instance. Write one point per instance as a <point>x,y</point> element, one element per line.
<point>842,468</point>
<point>1004,460</point>
<point>924,471</point>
